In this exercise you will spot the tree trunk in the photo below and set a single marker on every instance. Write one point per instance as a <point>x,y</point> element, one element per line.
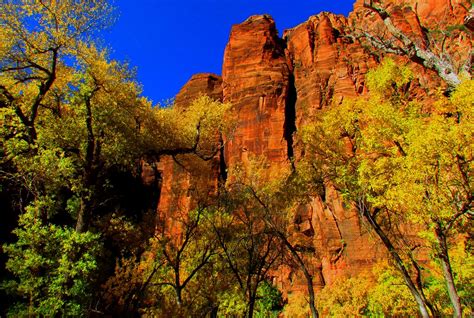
<point>179,297</point>
<point>307,275</point>
<point>309,284</point>
<point>177,281</point>
<point>82,217</point>
<point>447,271</point>
<point>214,312</point>
<point>422,302</point>
<point>252,297</point>
<point>90,172</point>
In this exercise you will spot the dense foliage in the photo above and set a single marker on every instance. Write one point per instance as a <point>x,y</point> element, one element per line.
<point>75,134</point>
<point>406,164</point>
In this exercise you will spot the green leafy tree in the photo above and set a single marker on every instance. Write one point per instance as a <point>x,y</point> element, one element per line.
<point>36,38</point>
<point>269,301</point>
<point>53,267</point>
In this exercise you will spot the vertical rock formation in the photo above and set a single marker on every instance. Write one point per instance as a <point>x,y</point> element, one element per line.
<point>327,65</point>
<point>275,86</point>
<point>256,82</point>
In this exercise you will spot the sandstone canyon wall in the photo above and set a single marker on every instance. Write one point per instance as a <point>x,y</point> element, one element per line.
<point>275,86</point>
<point>185,181</point>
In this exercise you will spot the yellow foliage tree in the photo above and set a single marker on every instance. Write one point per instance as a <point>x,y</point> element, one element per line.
<point>73,119</point>
<point>403,161</point>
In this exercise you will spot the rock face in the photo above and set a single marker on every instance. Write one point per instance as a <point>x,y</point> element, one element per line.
<point>256,80</point>
<point>200,84</point>
<point>426,23</point>
<point>186,182</point>
<point>428,12</point>
<point>326,65</point>
<point>275,86</point>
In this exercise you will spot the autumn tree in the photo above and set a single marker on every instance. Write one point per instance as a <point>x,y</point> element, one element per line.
<point>193,271</point>
<point>64,98</point>
<point>381,291</point>
<point>271,195</point>
<point>36,39</point>
<point>378,292</point>
<point>74,122</point>
<point>403,161</point>
<point>184,254</point>
<point>169,284</point>
<point>248,248</point>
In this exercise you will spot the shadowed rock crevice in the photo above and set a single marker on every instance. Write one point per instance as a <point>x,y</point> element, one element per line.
<point>290,116</point>
<point>222,164</point>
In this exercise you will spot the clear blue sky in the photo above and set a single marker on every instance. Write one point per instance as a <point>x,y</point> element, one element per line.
<point>170,40</point>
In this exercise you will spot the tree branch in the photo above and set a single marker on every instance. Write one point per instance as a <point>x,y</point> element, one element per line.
<point>442,66</point>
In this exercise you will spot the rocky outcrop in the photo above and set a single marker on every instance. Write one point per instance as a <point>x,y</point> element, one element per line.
<point>256,81</point>
<point>275,87</point>
<point>187,181</point>
<point>439,27</point>
<point>428,12</point>
<point>327,65</point>
<point>199,84</point>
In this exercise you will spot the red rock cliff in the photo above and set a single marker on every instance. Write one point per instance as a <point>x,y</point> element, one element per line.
<point>275,86</point>
<point>187,181</point>
<point>256,82</point>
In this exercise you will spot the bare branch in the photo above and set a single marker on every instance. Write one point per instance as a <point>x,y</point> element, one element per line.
<point>440,64</point>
